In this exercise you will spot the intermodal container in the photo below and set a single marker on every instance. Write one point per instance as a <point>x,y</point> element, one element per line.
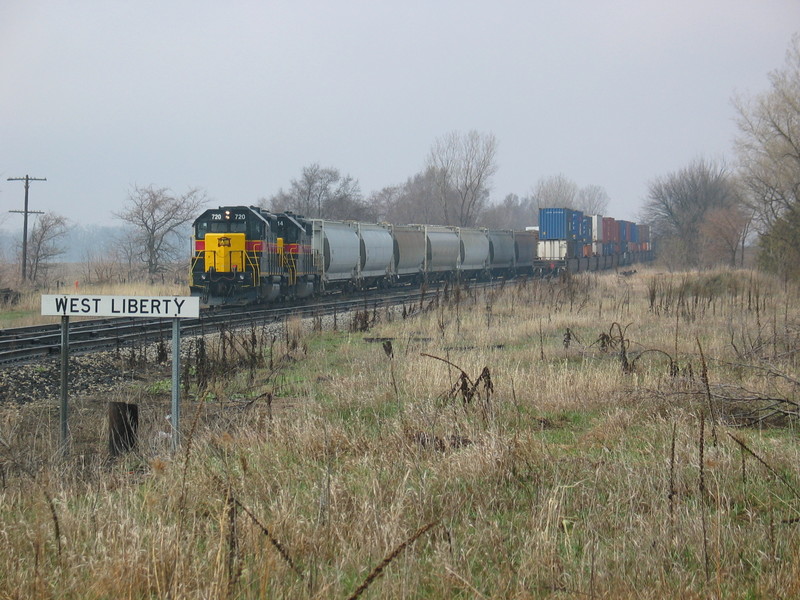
<point>644,232</point>
<point>556,249</point>
<point>577,225</point>
<point>624,230</point>
<point>597,228</point>
<point>610,230</point>
<point>559,224</point>
<point>586,229</point>
<point>634,236</point>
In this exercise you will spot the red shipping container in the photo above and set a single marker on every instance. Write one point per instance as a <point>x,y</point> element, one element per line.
<point>610,230</point>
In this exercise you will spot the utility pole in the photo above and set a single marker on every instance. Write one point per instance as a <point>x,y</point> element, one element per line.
<point>27,179</point>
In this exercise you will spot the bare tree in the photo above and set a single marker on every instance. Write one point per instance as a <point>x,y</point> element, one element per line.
<point>512,212</point>
<point>43,244</point>
<point>384,200</point>
<point>415,201</point>
<point>556,191</point>
<point>592,200</point>
<point>157,217</point>
<point>721,234</point>
<point>322,193</point>
<point>559,191</point>
<point>768,148</point>
<point>463,165</point>
<point>679,202</point>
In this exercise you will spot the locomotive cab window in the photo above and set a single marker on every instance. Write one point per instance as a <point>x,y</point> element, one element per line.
<point>236,223</point>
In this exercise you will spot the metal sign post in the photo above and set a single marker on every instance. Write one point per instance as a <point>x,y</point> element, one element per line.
<point>176,383</point>
<point>173,307</point>
<point>64,373</point>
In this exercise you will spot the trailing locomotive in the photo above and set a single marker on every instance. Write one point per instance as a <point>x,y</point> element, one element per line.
<point>249,254</point>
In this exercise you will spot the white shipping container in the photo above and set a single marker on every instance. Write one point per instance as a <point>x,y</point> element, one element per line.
<point>552,249</point>
<point>597,228</point>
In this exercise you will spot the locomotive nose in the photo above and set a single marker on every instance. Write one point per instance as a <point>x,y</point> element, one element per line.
<point>224,252</point>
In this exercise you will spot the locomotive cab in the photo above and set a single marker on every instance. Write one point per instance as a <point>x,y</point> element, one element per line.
<point>293,245</point>
<point>229,256</point>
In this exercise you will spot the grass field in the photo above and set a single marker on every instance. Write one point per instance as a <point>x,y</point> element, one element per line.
<point>593,437</point>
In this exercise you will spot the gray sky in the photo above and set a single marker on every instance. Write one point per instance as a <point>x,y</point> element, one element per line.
<point>236,97</point>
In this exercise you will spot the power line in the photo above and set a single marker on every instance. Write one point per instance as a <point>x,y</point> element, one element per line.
<point>27,179</point>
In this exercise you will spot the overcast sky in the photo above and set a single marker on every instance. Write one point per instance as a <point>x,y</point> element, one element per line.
<point>236,97</point>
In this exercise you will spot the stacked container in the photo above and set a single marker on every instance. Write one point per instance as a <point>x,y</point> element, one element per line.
<point>586,235</point>
<point>597,235</point>
<point>556,249</point>
<point>610,236</point>
<point>644,236</point>
<point>558,225</point>
<point>624,235</point>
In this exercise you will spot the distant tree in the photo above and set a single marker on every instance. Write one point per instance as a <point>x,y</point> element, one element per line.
<point>156,217</point>
<point>768,148</point>
<point>512,212</point>
<point>383,201</point>
<point>721,234</point>
<point>43,244</point>
<point>592,200</point>
<point>557,191</point>
<point>779,247</point>
<point>323,193</point>
<point>418,200</point>
<point>463,166</point>
<point>679,203</point>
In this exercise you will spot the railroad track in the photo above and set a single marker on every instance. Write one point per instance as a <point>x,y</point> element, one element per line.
<point>30,344</point>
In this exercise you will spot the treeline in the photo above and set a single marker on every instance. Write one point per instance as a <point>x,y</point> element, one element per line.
<point>703,214</point>
<point>708,212</point>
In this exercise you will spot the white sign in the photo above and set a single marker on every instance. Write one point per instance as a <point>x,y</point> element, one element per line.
<point>121,306</point>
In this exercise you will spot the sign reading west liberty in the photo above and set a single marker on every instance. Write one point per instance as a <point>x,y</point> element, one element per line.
<point>159,307</point>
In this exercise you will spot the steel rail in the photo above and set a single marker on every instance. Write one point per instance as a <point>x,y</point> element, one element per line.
<point>28,344</point>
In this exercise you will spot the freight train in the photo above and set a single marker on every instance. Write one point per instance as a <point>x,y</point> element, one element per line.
<point>248,254</point>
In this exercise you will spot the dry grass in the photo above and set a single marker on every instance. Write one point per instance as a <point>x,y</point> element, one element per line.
<point>485,453</point>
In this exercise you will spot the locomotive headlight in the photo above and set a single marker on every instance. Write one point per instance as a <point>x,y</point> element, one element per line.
<point>227,215</point>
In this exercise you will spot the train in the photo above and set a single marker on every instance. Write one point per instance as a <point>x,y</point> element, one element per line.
<point>248,254</point>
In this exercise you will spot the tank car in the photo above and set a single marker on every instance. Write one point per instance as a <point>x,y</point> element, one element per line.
<point>408,248</point>
<point>473,252</point>
<point>376,251</point>
<point>525,243</point>
<point>336,249</point>
<point>501,251</point>
<point>442,251</point>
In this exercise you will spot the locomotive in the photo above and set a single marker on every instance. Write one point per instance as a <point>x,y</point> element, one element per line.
<point>246,254</point>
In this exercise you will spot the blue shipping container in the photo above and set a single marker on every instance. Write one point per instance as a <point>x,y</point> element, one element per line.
<point>623,230</point>
<point>577,225</point>
<point>634,233</point>
<point>586,230</point>
<point>557,224</point>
